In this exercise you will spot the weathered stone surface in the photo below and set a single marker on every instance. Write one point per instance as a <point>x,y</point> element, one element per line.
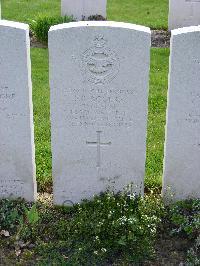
<point>17,166</point>
<point>183,13</point>
<point>99,92</point>
<point>182,147</point>
<point>82,9</point>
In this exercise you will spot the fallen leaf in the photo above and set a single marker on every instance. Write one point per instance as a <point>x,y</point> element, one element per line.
<point>21,244</point>
<point>17,251</point>
<point>5,233</point>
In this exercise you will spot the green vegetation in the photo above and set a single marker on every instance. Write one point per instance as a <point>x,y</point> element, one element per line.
<point>118,229</point>
<point>108,228</point>
<point>41,102</point>
<point>42,24</point>
<point>28,10</point>
<point>185,219</point>
<point>151,13</point>
<point>157,116</point>
<point>144,12</point>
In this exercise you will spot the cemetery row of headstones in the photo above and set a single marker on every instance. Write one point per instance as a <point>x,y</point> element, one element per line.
<point>99,74</point>
<point>182,13</point>
<point>82,9</point>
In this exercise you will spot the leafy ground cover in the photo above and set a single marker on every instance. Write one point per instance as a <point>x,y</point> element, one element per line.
<point>152,13</point>
<point>110,230</point>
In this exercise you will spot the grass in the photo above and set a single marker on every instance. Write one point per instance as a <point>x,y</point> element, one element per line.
<point>144,12</point>
<point>156,123</point>
<point>26,10</point>
<point>157,116</point>
<point>41,100</point>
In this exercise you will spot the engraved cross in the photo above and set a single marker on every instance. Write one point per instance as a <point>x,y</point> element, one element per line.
<point>98,144</point>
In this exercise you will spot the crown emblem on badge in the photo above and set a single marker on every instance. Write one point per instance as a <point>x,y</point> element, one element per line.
<point>100,64</point>
<point>99,41</point>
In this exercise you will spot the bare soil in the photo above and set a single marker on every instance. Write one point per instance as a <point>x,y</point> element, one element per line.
<point>159,39</point>
<point>170,251</point>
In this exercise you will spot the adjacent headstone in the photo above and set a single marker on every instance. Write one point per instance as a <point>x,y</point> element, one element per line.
<point>82,9</point>
<point>183,13</point>
<point>182,147</point>
<point>99,96</point>
<point>17,166</point>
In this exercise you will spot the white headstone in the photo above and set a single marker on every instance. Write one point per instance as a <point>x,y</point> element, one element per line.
<point>17,165</point>
<point>182,147</point>
<point>99,93</point>
<point>82,9</point>
<point>183,13</point>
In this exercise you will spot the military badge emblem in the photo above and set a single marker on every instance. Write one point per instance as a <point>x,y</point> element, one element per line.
<point>100,64</point>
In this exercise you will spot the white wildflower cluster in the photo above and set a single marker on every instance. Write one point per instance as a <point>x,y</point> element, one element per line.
<point>104,250</point>
<point>122,220</point>
<point>132,220</point>
<point>132,196</point>
<point>100,223</point>
<point>96,239</point>
<point>110,213</point>
<point>151,222</point>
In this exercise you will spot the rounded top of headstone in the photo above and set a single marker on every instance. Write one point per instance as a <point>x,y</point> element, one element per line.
<point>13,24</point>
<point>101,24</point>
<point>185,30</point>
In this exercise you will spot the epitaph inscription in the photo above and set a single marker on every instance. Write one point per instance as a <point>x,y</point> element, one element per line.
<point>181,177</point>
<point>194,113</point>
<point>98,107</point>
<point>6,97</point>
<point>11,188</point>
<point>193,1</point>
<point>5,94</point>
<point>183,13</point>
<point>192,7</point>
<point>17,165</point>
